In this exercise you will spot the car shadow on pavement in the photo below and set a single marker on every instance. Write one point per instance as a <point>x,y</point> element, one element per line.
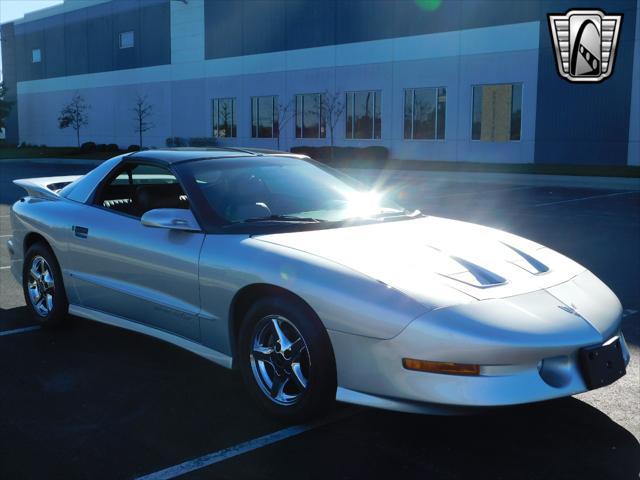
<point>114,394</point>
<point>561,439</point>
<point>564,438</point>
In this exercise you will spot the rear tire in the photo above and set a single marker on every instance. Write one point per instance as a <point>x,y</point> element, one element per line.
<point>42,285</point>
<point>286,359</point>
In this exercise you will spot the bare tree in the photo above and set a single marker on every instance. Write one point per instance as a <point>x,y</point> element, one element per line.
<point>75,115</point>
<point>143,111</point>
<point>283,114</point>
<point>332,109</point>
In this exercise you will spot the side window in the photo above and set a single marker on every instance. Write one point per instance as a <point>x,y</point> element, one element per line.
<point>138,188</point>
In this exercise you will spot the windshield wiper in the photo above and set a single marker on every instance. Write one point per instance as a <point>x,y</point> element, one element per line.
<point>282,218</point>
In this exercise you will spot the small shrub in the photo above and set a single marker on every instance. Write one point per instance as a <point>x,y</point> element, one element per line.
<point>88,147</point>
<point>374,156</point>
<point>112,147</point>
<point>133,148</point>
<point>202,142</point>
<point>101,147</point>
<point>176,142</point>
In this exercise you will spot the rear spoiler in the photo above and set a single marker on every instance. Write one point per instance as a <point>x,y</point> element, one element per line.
<point>45,187</point>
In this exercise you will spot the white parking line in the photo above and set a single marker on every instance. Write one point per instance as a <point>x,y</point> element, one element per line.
<point>585,198</point>
<point>5,236</point>
<point>5,268</point>
<point>240,449</point>
<point>628,312</point>
<point>15,331</point>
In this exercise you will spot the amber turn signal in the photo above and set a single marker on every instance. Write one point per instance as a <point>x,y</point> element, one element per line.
<point>440,367</point>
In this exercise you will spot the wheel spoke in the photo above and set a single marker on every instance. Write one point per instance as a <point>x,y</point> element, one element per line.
<point>285,343</point>
<point>48,280</point>
<point>34,272</point>
<point>298,377</point>
<point>35,294</point>
<point>49,299</point>
<point>296,349</point>
<point>262,354</point>
<point>278,385</point>
<point>40,304</point>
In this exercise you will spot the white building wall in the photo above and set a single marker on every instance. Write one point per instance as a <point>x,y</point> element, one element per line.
<point>181,93</point>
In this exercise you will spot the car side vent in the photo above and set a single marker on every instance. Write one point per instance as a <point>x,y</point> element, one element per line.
<point>530,264</point>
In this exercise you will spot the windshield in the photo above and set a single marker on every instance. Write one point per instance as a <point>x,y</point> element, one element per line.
<point>282,189</point>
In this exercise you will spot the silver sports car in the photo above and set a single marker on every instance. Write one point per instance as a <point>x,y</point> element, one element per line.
<point>313,287</point>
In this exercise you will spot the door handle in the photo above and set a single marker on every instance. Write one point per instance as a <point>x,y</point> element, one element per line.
<point>80,232</point>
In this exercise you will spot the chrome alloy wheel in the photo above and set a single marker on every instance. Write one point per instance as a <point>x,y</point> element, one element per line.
<point>41,286</point>
<point>280,359</point>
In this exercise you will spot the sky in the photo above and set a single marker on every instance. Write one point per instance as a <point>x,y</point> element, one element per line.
<point>12,9</point>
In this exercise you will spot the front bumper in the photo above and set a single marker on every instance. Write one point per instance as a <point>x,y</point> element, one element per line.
<point>527,347</point>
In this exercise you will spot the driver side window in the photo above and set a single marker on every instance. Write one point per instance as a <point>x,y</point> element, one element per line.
<point>137,188</point>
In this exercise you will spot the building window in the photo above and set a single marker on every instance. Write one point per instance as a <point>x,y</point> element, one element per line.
<point>36,55</point>
<point>224,117</point>
<point>310,122</point>
<point>425,113</point>
<point>264,119</point>
<point>363,115</point>
<point>497,112</point>
<point>126,40</point>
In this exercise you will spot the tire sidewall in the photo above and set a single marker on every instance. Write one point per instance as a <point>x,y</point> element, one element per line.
<point>321,390</point>
<point>60,304</point>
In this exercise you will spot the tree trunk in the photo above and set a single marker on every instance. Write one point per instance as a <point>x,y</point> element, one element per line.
<point>332,145</point>
<point>78,136</point>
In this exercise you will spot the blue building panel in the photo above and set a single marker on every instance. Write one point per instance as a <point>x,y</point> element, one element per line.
<point>155,37</point>
<point>75,42</point>
<point>54,47</point>
<point>100,38</point>
<point>223,31</point>
<point>585,123</point>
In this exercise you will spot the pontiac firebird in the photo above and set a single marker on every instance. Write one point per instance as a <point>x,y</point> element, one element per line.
<point>313,287</point>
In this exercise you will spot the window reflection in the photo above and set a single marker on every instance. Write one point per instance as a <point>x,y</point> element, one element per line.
<point>424,113</point>
<point>264,121</point>
<point>364,115</point>
<point>224,117</point>
<point>310,121</point>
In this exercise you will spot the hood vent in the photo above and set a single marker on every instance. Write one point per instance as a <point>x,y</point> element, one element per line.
<point>483,278</point>
<point>527,262</point>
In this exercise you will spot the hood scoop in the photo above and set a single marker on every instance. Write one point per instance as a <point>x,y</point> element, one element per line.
<point>527,262</point>
<point>475,275</point>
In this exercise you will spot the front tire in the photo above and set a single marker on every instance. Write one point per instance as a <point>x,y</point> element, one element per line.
<point>42,285</point>
<point>286,359</point>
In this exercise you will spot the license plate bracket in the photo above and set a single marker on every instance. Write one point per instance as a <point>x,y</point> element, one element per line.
<point>602,364</point>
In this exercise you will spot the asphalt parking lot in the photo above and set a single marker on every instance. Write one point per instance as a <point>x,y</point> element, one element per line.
<point>93,401</point>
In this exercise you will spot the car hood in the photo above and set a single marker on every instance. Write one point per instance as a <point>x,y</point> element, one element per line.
<point>430,258</point>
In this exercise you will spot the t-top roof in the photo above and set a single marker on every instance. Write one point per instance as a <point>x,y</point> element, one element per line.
<point>177,155</point>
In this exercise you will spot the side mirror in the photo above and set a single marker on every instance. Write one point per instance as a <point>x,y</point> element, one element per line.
<point>171,219</point>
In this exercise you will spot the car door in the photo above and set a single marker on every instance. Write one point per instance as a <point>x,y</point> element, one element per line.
<point>140,273</point>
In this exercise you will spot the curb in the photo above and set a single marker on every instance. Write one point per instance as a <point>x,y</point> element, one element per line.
<point>539,180</point>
